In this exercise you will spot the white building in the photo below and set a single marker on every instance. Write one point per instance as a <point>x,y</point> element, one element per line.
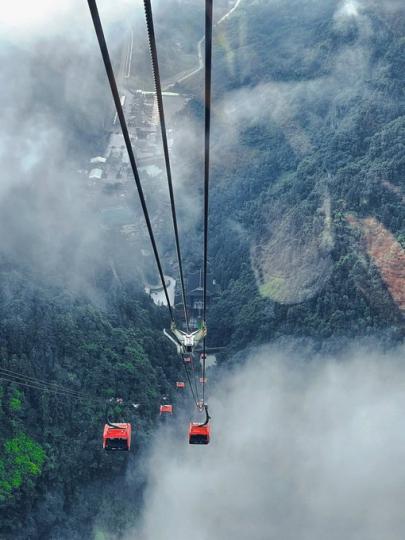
<point>98,159</point>
<point>95,174</point>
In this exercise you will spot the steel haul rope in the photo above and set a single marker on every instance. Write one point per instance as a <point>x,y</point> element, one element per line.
<point>207,121</point>
<point>34,380</point>
<point>114,90</point>
<point>159,99</point>
<point>20,379</point>
<point>44,387</point>
<point>195,395</point>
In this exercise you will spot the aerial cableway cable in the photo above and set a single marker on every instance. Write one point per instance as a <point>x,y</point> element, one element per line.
<point>207,130</point>
<point>114,90</point>
<point>34,380</point>
<point>43,387</point>
<point>193,393</point>
<point>113,86</point>
<point>20,379</point>
<point>159,99</point>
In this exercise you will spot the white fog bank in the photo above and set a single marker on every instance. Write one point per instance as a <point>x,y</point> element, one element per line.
<point>300,450</point>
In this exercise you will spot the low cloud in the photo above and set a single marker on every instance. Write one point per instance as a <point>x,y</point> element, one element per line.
<point>304,446</point>
<point>348,8</point>
<point>23,21</point>
<point>57,106</point>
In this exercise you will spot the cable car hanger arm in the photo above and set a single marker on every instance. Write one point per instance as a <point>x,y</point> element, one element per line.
<point>207,416</point>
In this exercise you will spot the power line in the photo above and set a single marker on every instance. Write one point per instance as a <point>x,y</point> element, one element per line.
<point>114,90</point>
<point>159,99</point>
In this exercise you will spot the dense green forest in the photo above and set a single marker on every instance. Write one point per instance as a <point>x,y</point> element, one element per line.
<point>326,141</point>
<point>51,443</point>
<point>309,131</point>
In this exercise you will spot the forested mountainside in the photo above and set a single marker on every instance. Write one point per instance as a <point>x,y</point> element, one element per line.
<point>308,215</point>
<point>51,442</point>
<point>73,310</point>
<point>306,239</point>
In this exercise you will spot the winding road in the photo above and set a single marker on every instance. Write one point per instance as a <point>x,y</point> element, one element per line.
<point>200,66</point>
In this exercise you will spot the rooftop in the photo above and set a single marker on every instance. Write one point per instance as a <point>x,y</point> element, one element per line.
<point>96,173</point>
<point>98,159</point>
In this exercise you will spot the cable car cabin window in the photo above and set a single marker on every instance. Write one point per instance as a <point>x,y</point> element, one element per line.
<point>199,439</point>
<point>116,444</point>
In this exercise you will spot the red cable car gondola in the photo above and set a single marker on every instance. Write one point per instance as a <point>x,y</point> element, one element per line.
<point>187,359</point>
<point>166,409</point>
<point>199,434</point>
<point>180,384</point>
<point>117,437</point>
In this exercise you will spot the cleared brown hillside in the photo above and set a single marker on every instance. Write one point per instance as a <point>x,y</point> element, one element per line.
<point>386,253</point>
